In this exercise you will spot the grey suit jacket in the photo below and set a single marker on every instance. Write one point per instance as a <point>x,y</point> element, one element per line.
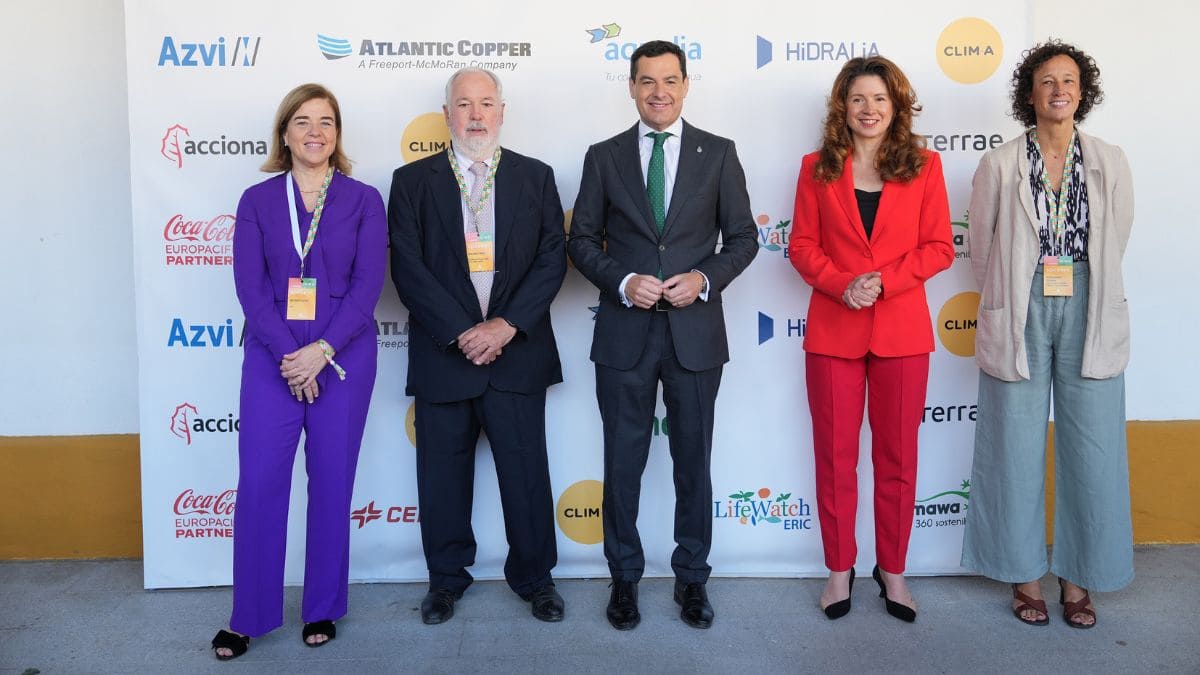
<point>613,234</point>
<point>1004,245</point>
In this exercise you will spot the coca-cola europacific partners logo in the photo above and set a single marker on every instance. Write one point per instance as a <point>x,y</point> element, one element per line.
<point>199,242</point>
<point>177,143</point>
<point>204,516</point>
<point>392,514</point>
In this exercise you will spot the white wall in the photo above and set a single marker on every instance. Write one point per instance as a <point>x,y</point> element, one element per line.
<point>66,301</point>
<point>67,326</point>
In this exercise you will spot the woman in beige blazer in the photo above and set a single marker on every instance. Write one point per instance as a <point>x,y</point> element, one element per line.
<point>1050,216</point>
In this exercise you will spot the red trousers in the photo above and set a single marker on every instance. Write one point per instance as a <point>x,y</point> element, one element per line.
<point>894,389</point>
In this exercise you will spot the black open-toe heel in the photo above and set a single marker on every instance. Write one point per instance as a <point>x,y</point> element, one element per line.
<point>841,608</point>
<point>236,644</point>
<point>902,612</point>
<point>325,628</point>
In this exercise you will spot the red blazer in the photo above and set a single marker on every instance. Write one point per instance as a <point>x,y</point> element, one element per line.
<point>910,242</point>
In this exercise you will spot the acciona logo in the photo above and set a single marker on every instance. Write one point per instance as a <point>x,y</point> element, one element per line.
<point>177,143</point>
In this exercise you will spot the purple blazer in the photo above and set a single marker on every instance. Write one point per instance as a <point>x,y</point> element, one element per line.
<point>348,259</point>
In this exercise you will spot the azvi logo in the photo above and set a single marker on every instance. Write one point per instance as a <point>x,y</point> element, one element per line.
<point>200,334</point>
<point>334,48</point>
<point>242,52</point>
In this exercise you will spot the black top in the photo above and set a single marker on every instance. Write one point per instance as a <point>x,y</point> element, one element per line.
<point>868,204</point>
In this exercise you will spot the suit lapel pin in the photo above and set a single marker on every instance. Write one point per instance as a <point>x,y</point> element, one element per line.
<point>699,149</point>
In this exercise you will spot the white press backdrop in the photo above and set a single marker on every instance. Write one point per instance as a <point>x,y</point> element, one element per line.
<point>204,82</point>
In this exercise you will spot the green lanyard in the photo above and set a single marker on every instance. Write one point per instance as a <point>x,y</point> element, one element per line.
<point>486,193</point>
<point>1058,202</point>
<point>316,219</point>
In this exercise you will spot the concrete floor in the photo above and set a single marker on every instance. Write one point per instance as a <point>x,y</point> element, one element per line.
<point>94,617</point>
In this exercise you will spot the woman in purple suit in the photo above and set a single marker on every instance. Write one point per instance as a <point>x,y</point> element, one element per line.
<point>309,254</point>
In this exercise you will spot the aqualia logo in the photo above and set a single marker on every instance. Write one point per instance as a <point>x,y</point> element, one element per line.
<point>622,51</point>
<point>944,509</point>
<point>334,48</point>
<point>755,507</point>
<point>606,32</point>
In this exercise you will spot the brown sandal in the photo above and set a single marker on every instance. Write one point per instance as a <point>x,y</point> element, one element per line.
<point>1028,603</point>
<point>1074,609</point>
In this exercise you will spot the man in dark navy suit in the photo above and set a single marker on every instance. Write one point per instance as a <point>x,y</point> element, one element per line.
<point>477,257</point>
<point>652,202</point>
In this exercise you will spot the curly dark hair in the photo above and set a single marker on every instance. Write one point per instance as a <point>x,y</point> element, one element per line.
<point>901,155</point>
<point>1022,80</point>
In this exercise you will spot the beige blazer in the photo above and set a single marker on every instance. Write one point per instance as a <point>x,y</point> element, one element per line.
<point>1003,237</point>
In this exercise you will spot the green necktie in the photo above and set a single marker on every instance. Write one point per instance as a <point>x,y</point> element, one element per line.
<point>656,180</point>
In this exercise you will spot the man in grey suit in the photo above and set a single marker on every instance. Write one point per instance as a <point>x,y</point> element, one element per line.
<point>652,202</point>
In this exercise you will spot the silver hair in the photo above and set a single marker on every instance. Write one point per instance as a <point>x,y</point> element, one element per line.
<point>473,69</point>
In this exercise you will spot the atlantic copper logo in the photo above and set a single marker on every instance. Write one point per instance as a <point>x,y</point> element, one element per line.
<point>199,242</point>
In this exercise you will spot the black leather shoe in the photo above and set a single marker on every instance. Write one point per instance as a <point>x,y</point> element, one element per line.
<point>622,605</point>
<point>836,610</point>
<point>902,612</point>
<point>693,598</point>
<point>546,603</point>
<point>438,605</point>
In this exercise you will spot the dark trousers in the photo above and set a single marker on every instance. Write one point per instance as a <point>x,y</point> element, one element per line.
<point>447,433</point>
<point>627,399</point>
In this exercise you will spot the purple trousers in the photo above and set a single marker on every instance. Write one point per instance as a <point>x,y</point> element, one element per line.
<point>271,421</point>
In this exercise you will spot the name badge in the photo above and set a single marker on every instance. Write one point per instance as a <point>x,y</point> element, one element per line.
<point>1057,279</point>
<point>302,299</point>
<point>481,252</point>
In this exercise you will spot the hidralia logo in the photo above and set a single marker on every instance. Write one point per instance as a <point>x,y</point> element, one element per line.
<point>177,142</point>
<point>204,516</point>
<point>951,503</point>
<point>203,242</point>
<point>209,54</point>
<point>186,419</point>
<point>334,48</point>
<point>773,237</point>
<point>766,327</point>
<point>813,51</point>
<point>200,334</point>
<point>752,507</point>
<point>393,514</point>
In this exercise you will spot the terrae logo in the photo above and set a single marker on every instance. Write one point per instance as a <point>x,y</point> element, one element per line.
<point>969,50</point>
<point>606,32</point>
<point>956,323</point>
<point>579,512</point>
<point>181,421</point>
<point>334,48</point>
<point>752,507</point>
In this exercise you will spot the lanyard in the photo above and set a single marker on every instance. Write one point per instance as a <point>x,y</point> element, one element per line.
<point>485,194</point>
<point>316,219</point>
<point>1058,203</point>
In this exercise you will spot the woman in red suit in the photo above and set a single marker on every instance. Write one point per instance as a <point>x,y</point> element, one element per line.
<point>871,225</point>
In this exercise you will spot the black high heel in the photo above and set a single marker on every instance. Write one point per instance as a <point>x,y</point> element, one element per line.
<point>841,608</point>
<point>902,612</point>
